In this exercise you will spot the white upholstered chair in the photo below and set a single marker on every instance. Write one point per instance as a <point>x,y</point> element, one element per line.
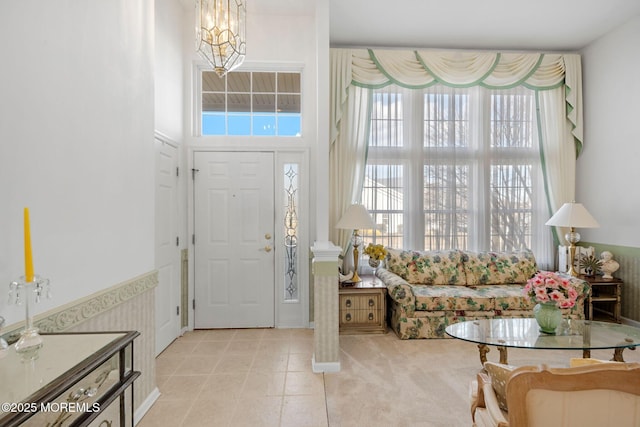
<point>593,395</point>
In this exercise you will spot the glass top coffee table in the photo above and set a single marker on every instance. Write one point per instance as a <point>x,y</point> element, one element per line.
<point>585,335</point>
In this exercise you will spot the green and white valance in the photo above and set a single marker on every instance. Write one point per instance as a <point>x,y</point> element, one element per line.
<point>417,69</point>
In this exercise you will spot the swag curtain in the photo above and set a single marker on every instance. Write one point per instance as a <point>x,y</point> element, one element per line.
<point>556,78</point>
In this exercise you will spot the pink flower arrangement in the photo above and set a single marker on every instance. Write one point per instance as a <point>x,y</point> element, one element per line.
<point>547,286</point>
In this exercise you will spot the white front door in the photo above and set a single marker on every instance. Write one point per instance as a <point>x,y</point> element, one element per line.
<point>234,227</point>
<point>167,251</point>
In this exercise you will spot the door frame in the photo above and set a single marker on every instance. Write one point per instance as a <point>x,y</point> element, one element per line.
<point>287,314</point>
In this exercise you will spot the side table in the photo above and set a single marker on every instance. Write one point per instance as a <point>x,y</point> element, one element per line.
<point>605,298</point>
<point>363,307</point>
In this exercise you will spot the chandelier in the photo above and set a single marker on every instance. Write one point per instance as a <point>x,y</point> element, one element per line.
<point>221,33</point>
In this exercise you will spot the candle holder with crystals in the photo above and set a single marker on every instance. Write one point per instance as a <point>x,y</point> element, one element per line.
<point>20,293</point>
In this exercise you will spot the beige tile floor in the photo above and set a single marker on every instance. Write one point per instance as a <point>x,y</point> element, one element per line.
<point>244,377</point>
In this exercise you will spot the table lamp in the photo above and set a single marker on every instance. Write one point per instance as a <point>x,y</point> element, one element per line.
<point>355,218</point>
<point>572,215</point>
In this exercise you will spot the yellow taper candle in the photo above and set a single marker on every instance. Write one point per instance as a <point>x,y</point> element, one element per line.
<point>28,258</point>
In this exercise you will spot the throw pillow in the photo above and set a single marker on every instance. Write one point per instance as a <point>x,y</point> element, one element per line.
<point>427,267</point>
<point>498,268</point>
<point>499,375</point>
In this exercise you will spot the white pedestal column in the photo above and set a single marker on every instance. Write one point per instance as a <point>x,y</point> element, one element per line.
<point>326,344</point>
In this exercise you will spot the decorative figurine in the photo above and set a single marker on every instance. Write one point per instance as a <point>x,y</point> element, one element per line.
<point>591,265</point>
<point>344,278</point>
<point>609,265</point>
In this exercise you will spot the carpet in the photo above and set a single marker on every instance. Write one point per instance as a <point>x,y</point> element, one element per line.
<point>388,382</point>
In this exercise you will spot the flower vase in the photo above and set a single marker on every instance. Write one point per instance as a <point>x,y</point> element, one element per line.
<point>548,316</point>
<point>374,263</point>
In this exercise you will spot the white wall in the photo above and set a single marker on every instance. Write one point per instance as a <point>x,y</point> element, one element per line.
<point>76,144</point>
<point>169,76</point>
<point>608,171</point>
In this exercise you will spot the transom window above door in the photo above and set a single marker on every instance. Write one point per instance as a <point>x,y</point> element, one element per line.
<point>251,103</point>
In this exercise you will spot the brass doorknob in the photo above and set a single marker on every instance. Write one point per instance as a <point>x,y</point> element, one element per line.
<point>267,248</point>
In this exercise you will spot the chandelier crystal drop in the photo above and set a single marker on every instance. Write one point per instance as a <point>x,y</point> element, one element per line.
<point>221,33</point>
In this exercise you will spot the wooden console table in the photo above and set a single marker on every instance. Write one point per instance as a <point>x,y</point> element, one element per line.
<point>82,379</point>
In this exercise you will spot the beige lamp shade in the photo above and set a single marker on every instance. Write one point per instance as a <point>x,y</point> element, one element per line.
<point>573,215</point>
<point>356,217</point>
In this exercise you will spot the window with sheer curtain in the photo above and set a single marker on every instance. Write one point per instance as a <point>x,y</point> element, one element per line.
<point>454,168</point>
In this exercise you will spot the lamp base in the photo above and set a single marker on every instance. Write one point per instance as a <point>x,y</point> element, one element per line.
<point>572,271</point>
<point>356,257</point>
<point>572,237</point>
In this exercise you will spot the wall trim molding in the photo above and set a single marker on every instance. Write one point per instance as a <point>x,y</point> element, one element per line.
<point>69,315</point>
<point>324,367</point>
<point>146,405</point>
<point>164,138</point>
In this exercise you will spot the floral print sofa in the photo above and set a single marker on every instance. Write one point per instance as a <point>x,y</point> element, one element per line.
<point>427,291</point>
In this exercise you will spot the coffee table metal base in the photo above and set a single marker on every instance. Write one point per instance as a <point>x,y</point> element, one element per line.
<point>484,349</point>
<point>617,353</point>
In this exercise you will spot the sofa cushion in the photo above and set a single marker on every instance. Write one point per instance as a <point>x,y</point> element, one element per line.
<point>447,297</point>
<point>508,297</point>
<point>481,298</point>
<point>487,268</point>
<point>428,267</point>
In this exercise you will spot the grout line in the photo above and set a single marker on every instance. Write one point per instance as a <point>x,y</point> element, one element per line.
<point>186,415</point>
<point>282,397</point>
<point>326,401</point>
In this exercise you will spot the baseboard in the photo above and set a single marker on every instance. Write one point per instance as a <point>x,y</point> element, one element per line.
<point>324,367</point>
<point>146,405</point>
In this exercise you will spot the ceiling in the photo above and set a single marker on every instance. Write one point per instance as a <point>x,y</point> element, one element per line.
<point>560,25</point>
